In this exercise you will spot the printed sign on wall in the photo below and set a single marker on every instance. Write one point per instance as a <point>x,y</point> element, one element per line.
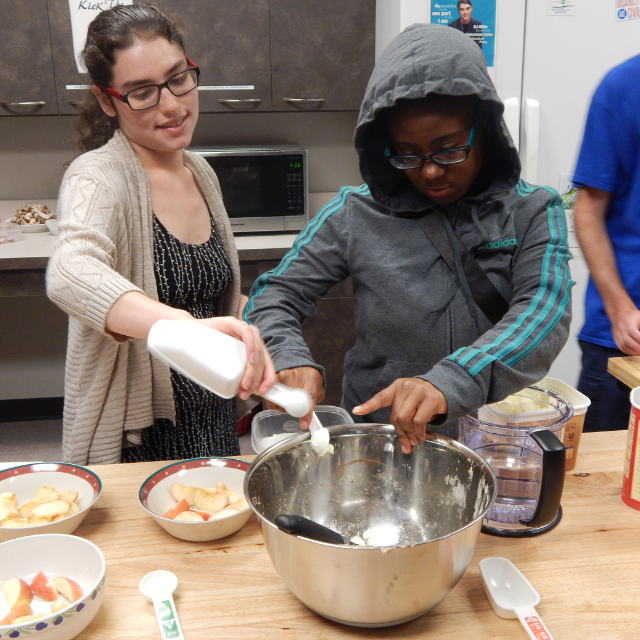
<point>561,8</point>
<point>82,13</point>
<point>476,18</point>
<point>627,10</point>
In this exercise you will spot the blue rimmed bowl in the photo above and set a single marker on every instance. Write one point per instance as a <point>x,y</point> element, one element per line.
<point>56,555</point>
<point>24,480</point>
<point>156,499</point>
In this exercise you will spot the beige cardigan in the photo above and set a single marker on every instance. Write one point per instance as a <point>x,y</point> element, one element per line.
<point>105,249</point>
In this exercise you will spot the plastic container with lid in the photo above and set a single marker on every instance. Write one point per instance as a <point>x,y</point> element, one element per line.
<point>269,427</point>
<point>9,233</point>
<point>573,427</point>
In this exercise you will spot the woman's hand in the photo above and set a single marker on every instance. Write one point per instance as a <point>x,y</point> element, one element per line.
<point>260,375</point>
<point>306,378</point>
<point>414,402</point>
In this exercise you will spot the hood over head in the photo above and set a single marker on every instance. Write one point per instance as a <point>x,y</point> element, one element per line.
<point>426,59</point>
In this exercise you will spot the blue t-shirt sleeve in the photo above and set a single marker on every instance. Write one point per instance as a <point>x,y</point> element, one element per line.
<point>599,158</point>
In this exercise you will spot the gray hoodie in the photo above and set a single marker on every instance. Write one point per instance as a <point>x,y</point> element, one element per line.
<point>414,315</point>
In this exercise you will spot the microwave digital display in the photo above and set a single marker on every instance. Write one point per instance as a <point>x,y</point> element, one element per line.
<point>261,185</point>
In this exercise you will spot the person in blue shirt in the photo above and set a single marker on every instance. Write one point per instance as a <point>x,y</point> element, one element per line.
<point>607,219</point>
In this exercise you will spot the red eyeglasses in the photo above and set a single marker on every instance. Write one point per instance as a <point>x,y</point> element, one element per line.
<point>148,96</point>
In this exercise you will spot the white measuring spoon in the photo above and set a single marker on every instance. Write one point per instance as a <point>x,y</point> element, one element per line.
<point>511,595</point>
<point>158,586</point>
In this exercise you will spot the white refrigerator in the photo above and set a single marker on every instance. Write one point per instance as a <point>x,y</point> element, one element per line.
<point>550,55</point>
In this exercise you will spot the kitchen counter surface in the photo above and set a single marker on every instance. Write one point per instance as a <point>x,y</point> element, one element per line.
<point>585,570</point>
<point>23,263</point>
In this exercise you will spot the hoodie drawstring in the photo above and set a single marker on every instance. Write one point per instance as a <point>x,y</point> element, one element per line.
<point>462,278</point>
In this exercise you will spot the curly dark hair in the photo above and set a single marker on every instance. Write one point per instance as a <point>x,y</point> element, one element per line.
<point>110,31</point>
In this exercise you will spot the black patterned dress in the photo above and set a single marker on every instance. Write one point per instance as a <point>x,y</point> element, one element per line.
<point>190,277</point>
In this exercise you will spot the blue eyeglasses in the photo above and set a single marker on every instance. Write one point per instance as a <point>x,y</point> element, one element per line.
<point>443,157</point>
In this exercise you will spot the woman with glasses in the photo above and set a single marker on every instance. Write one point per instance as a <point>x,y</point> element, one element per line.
<point>459,268</point>
<point>143,236</point>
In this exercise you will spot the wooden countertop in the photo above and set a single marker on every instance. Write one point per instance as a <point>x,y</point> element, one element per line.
<point>585,570</point>
<point>626,369</point>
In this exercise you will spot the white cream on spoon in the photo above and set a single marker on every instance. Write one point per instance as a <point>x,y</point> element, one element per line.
<point>319,436</point>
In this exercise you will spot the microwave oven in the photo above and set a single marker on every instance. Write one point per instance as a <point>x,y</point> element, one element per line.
<point>264,187</point>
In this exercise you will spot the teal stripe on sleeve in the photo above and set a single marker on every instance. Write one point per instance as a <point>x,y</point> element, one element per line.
<point>560,273</point>
<point>304,238</point>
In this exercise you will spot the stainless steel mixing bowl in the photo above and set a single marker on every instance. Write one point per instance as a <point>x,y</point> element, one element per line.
<point>421,513</point>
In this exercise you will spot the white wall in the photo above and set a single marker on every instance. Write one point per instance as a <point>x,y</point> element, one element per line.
<point>393,16</point>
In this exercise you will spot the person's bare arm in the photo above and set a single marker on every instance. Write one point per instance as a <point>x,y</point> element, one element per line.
<point>133,315</point>
<point>590,213</point>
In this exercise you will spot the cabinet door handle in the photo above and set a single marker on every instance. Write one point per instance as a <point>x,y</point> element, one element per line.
<point>34,105</point>
<point>75,103</point>
<point>236,101</point>
<point>303,99</point>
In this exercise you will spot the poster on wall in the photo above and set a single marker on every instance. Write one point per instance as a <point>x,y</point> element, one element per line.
<point>476,18</point>
<point>82,13</point>
<point>627,10</point>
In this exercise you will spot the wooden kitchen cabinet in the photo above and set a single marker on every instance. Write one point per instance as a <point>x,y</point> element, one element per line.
<point>329,334</point>
<point>26,69</point>
<point>322,53</point>
<point>229,41</point>
<point>71,85</point>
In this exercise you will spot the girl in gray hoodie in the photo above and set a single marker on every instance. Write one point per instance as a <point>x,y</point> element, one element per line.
<point>442,200</point>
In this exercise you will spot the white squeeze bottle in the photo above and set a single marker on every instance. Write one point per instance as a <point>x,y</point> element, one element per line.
<point>215,361</point>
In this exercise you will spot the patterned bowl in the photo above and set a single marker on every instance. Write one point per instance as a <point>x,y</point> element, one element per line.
<point>56,555</point>
<point>24,480</point>
<point>155,496</point>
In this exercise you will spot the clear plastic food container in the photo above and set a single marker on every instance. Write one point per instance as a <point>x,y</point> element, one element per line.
<point>9,233</point>
<point>269,427</point>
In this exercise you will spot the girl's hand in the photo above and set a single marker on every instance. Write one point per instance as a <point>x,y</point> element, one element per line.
<point>414,402</point>
<point>306,378</point>
<point>260,375</point>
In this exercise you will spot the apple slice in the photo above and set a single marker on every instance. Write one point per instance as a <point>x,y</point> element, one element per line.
<point>8,513</point>
<point>23,609</point>
<point>60,604</point>
<point>223,513</point>
<point>73,509</point>
<point>17,591</point>
<point>239,505</point>
<point>15,522</point>
<point>34,521</point>
<point>46,494</point>
<point>189,516</point>
<point>205,515</point>
<point>211,500</point>
<point>177,491</point>
<point>7,500</point>
<point>41,587</point>
<point>23,619</point>
<point>174,511</point>
<point>68,588</point>
<point>55,508</point>
<point>69,496</point>
<point>180,491</point>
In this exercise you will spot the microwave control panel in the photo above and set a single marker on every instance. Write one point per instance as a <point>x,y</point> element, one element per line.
<point>294,185</point>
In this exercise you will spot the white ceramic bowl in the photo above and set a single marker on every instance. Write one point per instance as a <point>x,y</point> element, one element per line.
<point>56,556</point>
<point>33,228</point>
<point>155,496</point>
<point>24,480</point>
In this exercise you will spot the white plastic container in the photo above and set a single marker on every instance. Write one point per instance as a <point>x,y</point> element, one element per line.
<point>573,427</point>
<point>269,427</point>
<point>10,233</point>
